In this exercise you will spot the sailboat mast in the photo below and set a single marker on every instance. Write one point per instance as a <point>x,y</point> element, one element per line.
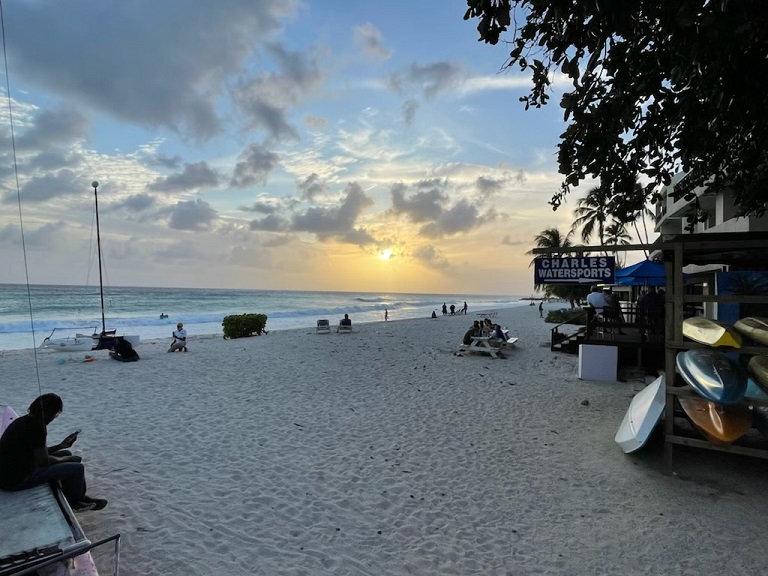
<point>95,185</point>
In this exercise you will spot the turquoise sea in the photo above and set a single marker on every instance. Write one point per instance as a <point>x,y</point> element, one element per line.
<point>136,310</point>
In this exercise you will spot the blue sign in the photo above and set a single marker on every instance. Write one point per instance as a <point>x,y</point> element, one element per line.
<point>584,270</point>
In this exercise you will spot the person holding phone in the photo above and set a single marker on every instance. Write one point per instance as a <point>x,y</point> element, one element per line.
<point>27,461</point>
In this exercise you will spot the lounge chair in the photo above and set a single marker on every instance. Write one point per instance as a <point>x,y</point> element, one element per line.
<point>344,328</point>
<point>323,326</point>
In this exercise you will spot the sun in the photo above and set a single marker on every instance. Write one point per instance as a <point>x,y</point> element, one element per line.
<point>386,254</point>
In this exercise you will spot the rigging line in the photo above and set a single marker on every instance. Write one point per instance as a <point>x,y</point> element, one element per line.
<point>18,198</point>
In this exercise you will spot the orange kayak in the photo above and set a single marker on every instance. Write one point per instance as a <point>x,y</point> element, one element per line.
<point>719,424</point>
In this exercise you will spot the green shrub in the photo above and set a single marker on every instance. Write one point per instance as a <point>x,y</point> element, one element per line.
<point>243,325</point>
<point>567,316</point>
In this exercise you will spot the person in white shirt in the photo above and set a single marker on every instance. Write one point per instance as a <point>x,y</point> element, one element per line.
<point>596,299</point>
<point>179,339</point>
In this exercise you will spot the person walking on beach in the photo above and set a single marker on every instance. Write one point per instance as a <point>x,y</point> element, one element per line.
<point>541,309</point>
<point>179,339</point>
<point>464,310</point>
<point>28,461</point>
<point>445,309</point>
<point>386,314</point>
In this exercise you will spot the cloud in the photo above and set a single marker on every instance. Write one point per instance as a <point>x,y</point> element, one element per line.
<point>254,167</point>
<point>42,188</point>
<point>261,207</point>
<point>409,111</point>
<point>137,202</point>
<point>430,79</point>
<point>431,256</point>
<point>192,215</point>
<point>338,221</point>
<point>419,207</point>
<point>193,177</point>
<point>462,217</point>
<point>311,187</point>
<point>270,223</point>
<point>44,236</point>
<point>371,41</point>
<point>146,62</point>
<point>54,127</point>
<point>264,99</point>
<point>509,241</point>
<point>314,122</point>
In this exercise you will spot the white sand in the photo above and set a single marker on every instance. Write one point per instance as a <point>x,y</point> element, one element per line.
<point>383,453</point>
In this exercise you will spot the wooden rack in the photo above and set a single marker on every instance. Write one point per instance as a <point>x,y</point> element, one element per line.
<point>740,251</point>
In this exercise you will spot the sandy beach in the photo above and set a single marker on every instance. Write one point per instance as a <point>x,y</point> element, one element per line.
<point>382,452</point>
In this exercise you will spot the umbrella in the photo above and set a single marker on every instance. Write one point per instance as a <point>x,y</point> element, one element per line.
<point>645,273</point>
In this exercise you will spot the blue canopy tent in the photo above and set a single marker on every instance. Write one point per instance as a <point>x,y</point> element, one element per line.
<point>645,273</point>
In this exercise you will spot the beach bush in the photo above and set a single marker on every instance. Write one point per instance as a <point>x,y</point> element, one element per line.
<point>243,325</point>
<point>566,316</point>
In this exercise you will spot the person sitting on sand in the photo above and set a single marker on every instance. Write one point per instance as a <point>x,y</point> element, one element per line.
<point>28,462</point>
<point>179,339</point>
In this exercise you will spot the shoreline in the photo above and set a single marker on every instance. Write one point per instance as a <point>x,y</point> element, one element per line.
<point>383,452</point>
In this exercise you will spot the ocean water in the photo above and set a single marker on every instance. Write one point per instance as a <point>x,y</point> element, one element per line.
<point>133,310</point>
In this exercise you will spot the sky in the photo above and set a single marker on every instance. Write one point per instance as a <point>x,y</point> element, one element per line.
<point>271,144</point>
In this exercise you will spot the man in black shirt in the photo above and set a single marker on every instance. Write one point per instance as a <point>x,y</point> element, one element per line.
<point>26,460</point>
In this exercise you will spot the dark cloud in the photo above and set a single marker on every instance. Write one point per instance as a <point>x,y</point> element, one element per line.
<point>147,62</point>
<point>165,162</point>
<point>137,202</point>
<point>264,99</point>
<point>429,255</point>
<point>260,207</point>
<point>311,187</point>
<point>56,185</point>
<point>44,236</point>
<point>430,80</point>
<point>254,166</point>
<point>192,215</point>
<point>462,217</point>
<point>339,221</point>
<point>509,241</point>
<point>409,111</point>
<point>419,207</point>
<point>54,127</point>
<point>488,187</point>
<point>371,41</point>
<point>193,177</point>
<point>271,223</point>
<point>51,160</point>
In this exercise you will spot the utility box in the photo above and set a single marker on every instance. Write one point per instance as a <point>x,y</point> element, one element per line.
<point>598,362</point>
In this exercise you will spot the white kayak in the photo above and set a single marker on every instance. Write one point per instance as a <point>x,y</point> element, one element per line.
<point>643,414</point>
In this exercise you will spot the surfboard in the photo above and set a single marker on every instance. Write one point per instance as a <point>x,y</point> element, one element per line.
<point>709,332</point>
<point>9,415</point>
<point>643,414</point>
<point>719,424</point>
<point>713,375</point>
<point>758,368</point>
<point>754,328</point>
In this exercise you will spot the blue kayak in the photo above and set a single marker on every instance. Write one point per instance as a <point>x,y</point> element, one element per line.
<point>713,375</point>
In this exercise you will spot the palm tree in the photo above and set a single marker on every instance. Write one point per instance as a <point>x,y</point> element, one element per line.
<point>592,213</point>
<point>553,238</point>
<point>635,207</point>
<point>616,235</point>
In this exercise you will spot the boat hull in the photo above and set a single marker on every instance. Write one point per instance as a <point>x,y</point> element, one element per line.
<point>719,424</point>
<point>68,344</point>
<point>754,328</point>
<point>713,375</point>
<point>643,414</point>
<point>758,368</point>
<point>709,332</point>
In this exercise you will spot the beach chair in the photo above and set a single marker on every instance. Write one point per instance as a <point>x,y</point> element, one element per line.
<point>344,329</point>
<point>323,326</point>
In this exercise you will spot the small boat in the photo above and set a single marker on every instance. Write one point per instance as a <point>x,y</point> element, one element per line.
<point>713,375</point>
<point>711,333</point>
<point>719,424</point>
<point>76,343</point>
<point>758,368</point>
<point>643,414</point>
<point>754,328</point>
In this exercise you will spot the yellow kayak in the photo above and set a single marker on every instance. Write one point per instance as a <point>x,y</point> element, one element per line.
<point>754,328</point>
<point>709,332</point>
